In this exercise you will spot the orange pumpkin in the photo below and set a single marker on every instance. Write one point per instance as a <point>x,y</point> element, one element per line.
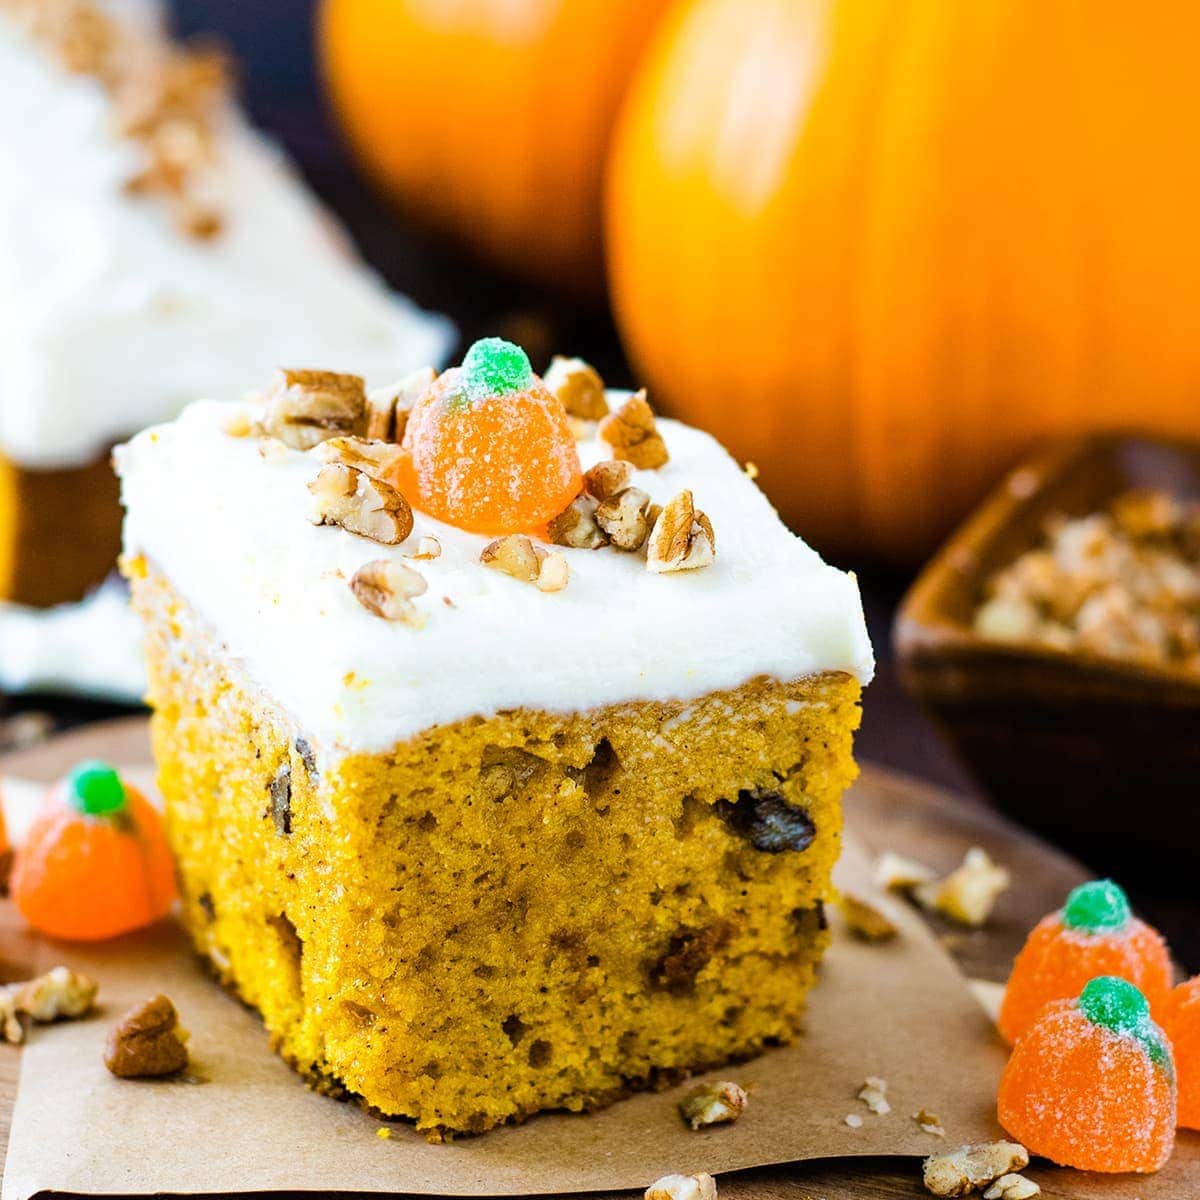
<point>490,118</point>
<point>882,247</point>
<point>95,862</point>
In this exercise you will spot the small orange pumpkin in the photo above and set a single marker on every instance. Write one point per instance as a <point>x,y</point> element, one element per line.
<point>490,119</point>
<point>881,248</point>
<point>95,863</point>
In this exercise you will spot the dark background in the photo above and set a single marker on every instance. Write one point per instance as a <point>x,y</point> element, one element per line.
<point>272,41</point>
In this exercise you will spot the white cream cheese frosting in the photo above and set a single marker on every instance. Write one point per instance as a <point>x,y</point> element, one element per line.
<point>229,527</point>
<point>111,318</point>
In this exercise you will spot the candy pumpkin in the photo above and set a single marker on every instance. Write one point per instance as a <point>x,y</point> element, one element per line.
<point>95,863</point>
<point>881,248</point>
<point>490,118</point>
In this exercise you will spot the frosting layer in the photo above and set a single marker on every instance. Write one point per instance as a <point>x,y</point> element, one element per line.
<point>111,318</point>
<point>229,527</point>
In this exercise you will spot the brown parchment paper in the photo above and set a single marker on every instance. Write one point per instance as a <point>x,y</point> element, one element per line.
<point>901,1011</point>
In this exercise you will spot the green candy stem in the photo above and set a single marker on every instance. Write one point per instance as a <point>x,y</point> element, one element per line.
<point>1121,1008</point>
<point>96,789</point>
<point>1097,907</point>
<point>494,367</point>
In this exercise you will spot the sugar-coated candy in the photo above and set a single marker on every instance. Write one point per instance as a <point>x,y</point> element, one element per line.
<point>488,448</point>
<point>1094,933</point>
<point>1091,1083</point>
<point>1181,1021</point>
<point>95,862</point>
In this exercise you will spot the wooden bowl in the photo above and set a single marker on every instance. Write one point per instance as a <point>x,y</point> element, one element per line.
<point>1101,755</point>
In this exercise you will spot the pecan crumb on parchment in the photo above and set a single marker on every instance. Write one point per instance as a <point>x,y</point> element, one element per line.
<point>683,1187</point>
<point>713,1104</point>
<point>59,995</point>
<point>147,1042</point>
<point>969,1168</point>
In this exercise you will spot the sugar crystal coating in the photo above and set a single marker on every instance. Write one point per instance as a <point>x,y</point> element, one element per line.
<point>1120,1007</point>
<point>488,448</point>
<point>494,367</point>
<point>1097,907</point>
<point>1090,1083</point>
<point>1059,958</point>
<point>1181,1022</point>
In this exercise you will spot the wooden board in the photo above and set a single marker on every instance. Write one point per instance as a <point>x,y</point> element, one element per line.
<point>886,811</point>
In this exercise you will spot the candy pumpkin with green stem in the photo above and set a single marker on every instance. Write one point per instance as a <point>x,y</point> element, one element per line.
<point>95,863</point>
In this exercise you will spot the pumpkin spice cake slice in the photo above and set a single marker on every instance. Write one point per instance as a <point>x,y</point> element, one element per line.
<point>502,730</point>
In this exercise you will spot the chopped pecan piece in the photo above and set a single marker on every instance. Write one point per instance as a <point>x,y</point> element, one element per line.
<point>59,994</point>
<point>553,573</point>
<point>578,387</point>
<point>631,433</point>
<point>346,496</point>
<point>713,1104</point>
<point>515,555</point>
<point>147,1042</point>
<point>306,407</point>
<point>873,1094</point>
<point>387,588</point>
<point>1012,1187</point>
<point>377,459</point>
<point>576,526</point>
<point>895,873</point>
<point>683,1187</point>
<point>607,478</point>
<point>930,1123</point>
<point>968,894</point>
<point>962,1171</point>
<point>623,518</point>
<point>388,407</point>
<point>682,538</point>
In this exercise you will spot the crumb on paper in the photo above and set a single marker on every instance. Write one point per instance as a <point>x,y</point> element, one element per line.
<point>713,1104</point>
<point>59,995</point>
<point>895,873</point>
<point>873,1094</point>
<point>930,1123</point>
<point>383,1133</point>
<point>969,1168</point>
<point>969,893</point>
<point>864,920</point>
<point>683,1187</point>
<point>147,1042</point>
<point>853,1120</point>
<point>1012,1187</point>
